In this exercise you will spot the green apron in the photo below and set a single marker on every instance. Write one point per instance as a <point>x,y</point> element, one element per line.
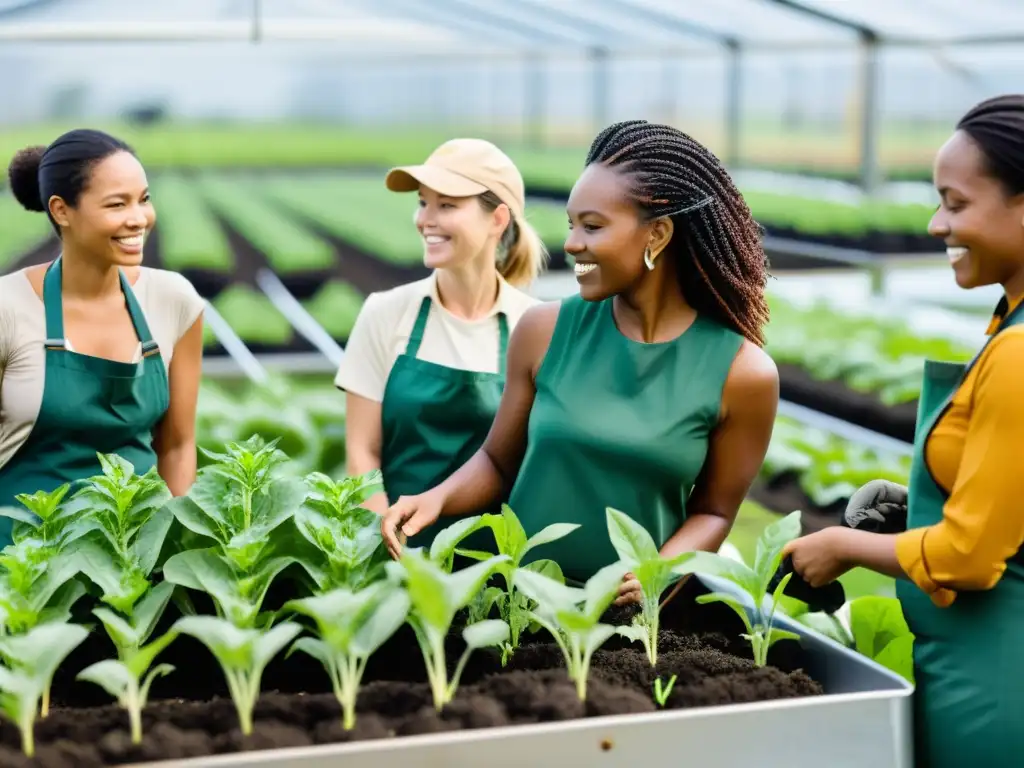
<point>433,419</point>
<point>968,664</point>
<point>90,405</point>
<point>617,423</point>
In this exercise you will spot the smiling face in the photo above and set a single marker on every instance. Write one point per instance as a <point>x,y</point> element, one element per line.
<point>457,230</point>
<point>113,214</point>
<point>607,235</point>
<point>981,222</point>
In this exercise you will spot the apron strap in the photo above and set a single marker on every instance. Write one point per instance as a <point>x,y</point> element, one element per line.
<point>412,348</point>
<point>53,305</point>
<point>502,341</point>
<point>149,346</point>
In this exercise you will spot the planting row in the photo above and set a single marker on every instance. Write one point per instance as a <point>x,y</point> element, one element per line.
<point>260,559</point>
<point>805,468</point>
<point>285,214</point>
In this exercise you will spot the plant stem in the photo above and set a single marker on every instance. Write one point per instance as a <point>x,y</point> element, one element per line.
<point>44,710</point>
<point>28,740</point>
<point>135,719</point>
<point>247,506</point>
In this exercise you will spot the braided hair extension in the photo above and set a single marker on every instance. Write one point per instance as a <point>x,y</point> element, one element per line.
<point>717,244</point>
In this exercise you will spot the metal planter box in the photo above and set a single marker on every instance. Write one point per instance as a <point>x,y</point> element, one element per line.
<point>863,719</point>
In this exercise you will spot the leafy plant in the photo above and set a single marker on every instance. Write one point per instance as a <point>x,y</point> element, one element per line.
<point>637,550</point>
<point>31,660</point>
<point>435,596</point>
<point>237,502</point>
<point>511,540</point>
<point>351,626</point>
<point>121,679</point>
<point>345,536</point>
<point>662,690</point>
<point>573,615</point>
<point>243,653</point>
<point>754,582</point>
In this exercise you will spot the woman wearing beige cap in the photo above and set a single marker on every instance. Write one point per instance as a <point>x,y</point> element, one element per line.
<point>425,366</point>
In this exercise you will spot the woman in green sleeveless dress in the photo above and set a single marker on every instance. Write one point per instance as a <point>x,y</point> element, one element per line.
<point>959,565</point>
<point>648,391</point>
<point>84,367</point>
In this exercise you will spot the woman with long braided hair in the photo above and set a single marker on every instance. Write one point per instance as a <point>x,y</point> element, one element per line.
<point>647,392</point>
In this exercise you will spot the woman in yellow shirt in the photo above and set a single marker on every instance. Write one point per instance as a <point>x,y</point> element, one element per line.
<point>959,569</point>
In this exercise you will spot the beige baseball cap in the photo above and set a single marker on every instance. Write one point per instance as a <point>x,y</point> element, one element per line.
<point>461,168</point>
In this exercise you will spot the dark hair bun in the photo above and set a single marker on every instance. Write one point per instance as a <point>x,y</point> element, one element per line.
<point>23,174</point>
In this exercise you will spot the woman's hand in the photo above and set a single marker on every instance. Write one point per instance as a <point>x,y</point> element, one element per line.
<point>629,591</point>
<point>821,558</point>
<point>407,517</point>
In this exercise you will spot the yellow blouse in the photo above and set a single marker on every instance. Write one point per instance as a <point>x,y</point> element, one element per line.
<point>976,453</point>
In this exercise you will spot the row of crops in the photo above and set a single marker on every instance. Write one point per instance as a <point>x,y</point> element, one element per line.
<point>332,238</point>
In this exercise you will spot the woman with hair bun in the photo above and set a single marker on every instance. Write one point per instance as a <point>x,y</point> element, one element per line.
<point>959,565</point>
<point>425,365</point>
<point>98,354</point>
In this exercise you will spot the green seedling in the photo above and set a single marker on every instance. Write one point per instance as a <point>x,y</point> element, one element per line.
<point>754,582</point>
<point>243,654</point>
<point>237,503</point>
<point>573,615</point>
<point>510,536</point>
<point>351,627</point>
<point>637,550</point>
<point>31,661</point>
<point>662,690</point>
<point>344,536</point>
<point>435,597</point>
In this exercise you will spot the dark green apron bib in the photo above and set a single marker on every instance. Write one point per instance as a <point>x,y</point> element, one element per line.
<point>433,419</point>
<point>90,405</point>
<point>968,664</point>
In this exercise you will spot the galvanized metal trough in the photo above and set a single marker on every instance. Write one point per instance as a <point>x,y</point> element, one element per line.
<point>863,719</point>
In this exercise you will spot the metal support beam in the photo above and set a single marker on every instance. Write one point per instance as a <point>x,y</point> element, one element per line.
<point>870,116</point>
<point>599,86</point>
<point>535,97</point>
<point>734,104</point>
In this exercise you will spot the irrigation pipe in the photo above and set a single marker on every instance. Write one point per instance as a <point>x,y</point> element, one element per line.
<point>300,319</point>
<point>844,429</point>
<point>234,346</point>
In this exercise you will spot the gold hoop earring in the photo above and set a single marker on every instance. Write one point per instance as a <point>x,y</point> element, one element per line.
<point>647,258</point>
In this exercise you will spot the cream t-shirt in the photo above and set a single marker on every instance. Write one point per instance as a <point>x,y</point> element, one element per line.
<point>168,300</point>
<point>385,323</point>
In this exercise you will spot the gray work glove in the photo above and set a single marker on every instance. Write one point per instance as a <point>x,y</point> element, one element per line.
<point>878,507</point>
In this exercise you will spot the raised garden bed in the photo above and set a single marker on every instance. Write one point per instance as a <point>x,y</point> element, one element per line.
<point>117,586</point>
<point>717,686</point>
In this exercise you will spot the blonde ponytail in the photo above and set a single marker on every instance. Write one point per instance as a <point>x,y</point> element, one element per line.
<point>521,252</point>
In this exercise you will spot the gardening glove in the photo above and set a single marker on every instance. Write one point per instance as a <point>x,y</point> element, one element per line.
<point>877,507</point>
<point>829,598</point>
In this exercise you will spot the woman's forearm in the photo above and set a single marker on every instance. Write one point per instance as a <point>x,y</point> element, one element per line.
<point>356,464</point>
<point>700,532</point>
<point>177,467</point>
<point>475,486</point>
<point>874,551</point>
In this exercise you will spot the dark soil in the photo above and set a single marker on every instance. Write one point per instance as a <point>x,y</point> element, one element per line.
<point>836,399</point>
<point>190,715</point>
